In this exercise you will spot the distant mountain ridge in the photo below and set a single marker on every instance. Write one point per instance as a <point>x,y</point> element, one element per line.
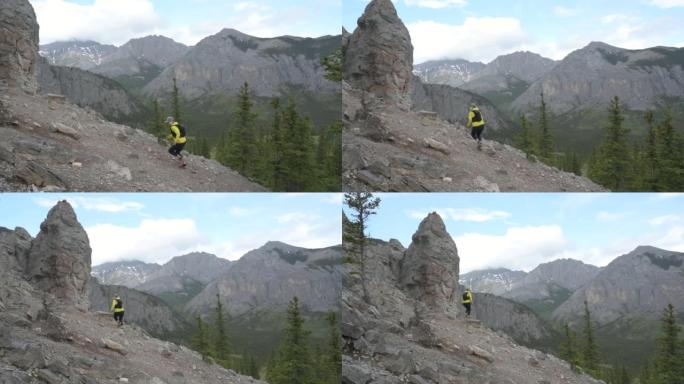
<point>449,72</point>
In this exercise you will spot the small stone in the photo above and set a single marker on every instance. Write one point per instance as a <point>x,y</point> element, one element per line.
<point>436,145</point>
<point>447,179</point>
<point>123,380</point>
<point>481,353</point>
<point>76,164</point>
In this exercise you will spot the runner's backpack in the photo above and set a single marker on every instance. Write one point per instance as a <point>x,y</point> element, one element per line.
<point>478,116</point>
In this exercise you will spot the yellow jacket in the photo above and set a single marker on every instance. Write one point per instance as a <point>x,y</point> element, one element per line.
<point>116,310</point>
<point>471,116</point>
<point>468,299</point>
<point>176,134</point>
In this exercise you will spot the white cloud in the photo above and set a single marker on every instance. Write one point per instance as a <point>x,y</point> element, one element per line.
<point>294,217</point>
<point>152,240</point>
<point>666,195</point>
<point>239,211</point>
<point>110,21</point>
<point>617,17</point>
<point>561,11</point>
<point>93,204</point>
<point>660,220</point>
<point>667,3</point>
<point>493,36</point>
<point>518,248</point>
<point>609,216</point>
<point>463,214</point>
<point>436,4</point>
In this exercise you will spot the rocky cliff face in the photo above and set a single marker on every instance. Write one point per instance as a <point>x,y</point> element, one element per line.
<point>596,73</point>
<point>638,284</point>
<point>447,72</point>
<point>78,54</point>
<point>507,71</point>
<point>141,55</point>
<point>176,273</point>
<point>87,89</point>
<point>379,54</point>
<point>393,337</point>
<point>129,274</point>
<point>144,310</point>
<point>222,63</point>
<point>495,281</point>
<point>18,45</point>
<point>270,276</point>
<point>59,260</point>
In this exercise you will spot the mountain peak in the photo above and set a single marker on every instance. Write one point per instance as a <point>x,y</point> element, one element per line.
<point>600,44</point>
<point>234,33</point>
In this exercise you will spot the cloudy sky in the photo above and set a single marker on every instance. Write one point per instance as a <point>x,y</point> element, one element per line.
<point>520,231</point>
<point>156,227</point>
<point>480,30</point>
<point>186,21</point>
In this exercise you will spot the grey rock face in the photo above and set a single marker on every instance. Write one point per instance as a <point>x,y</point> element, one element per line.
<point>59,260</point>
<point>126,273</point>
<point>272,275</point>
<point>194,267</point>
<point>495,281</point>
<point>429,270</point>
<point>508,71</point>
<point>18,45</point>
<point>224,62</point>
<point>87,89</point>
<point>641,283</point>
<point>379,54</point>
<point>452,104</point>
<point>139,55</point>
<point>596,73</point>
<point>14,249</point>
<point>447,72</point>
<point>142,309</point>
<point>79,54</point>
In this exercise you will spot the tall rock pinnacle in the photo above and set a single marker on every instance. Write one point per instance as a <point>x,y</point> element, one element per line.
<point>59,261</point>
<point>429,271</point>
<point>379,54</point>
<point>18,45</point>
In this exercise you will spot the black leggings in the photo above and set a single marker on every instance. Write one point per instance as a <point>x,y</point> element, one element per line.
<point>176,149</point>
<point>467,307</point>
<point>476,132</point>
<point>118,317</point>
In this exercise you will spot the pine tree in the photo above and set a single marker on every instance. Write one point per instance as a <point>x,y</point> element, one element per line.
<point>525,139</point>
<point>277,137</point>
<point>669,156</point>
<point>568,348</point>
<point>176,102</point>
<point>241,151</point>
<point>651,163</point>
<point>298,151</point>
<point>610,165</point>
<point>200,342</point>
<point>221,343</point>
<point>156,125</point>
<point>333,65</point>
<point>362,205</point>
<point>669,354</point>
<point>545,137</point>
<point>332,358</point>
<point>292,364</point>
<point>589,356</point>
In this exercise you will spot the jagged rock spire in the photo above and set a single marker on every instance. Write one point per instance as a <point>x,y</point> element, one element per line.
<point>18,45</point>
<point>429,271</point>
<point>59,261</point>
<point>379,54</point>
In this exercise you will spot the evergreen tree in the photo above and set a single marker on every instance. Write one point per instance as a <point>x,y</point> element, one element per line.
<point>669,354</point>
<point>333,65</point>
<point>279,176</point>
<point>362,205</point>
<point>525,138</point>
<point>545,137</point>
<point>176,102</point>
<point>221,344</point>
<point>651,163</point>
<point>568,348</point>
<point>610,165</point>
<point>332,358</point>
<point>156,126</point>
<point>200,342</point>
<point>292,364</point>
<point>241,151</point>
<point>298,151</point>
<point>669,156</point>
<point>589,352</point>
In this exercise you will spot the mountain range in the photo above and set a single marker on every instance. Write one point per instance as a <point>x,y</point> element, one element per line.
<point>626,297</point>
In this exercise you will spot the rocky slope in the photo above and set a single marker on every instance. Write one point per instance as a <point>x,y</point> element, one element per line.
<point>137,56</point>
<point>126,273</point>
<point>640,283</point>
<point>507,72</point>
<point>540,283</point>
<point>447,72</point>
<point>174,275</point>
<point>222,63</point>
<point>388,147</point>
<point>268,277</point>
<point>398,337</point>
<point>596,73</point>
<point>53,145</point>
<point>87,89</point>
<point>46,333</point>
<point>77,54</point>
